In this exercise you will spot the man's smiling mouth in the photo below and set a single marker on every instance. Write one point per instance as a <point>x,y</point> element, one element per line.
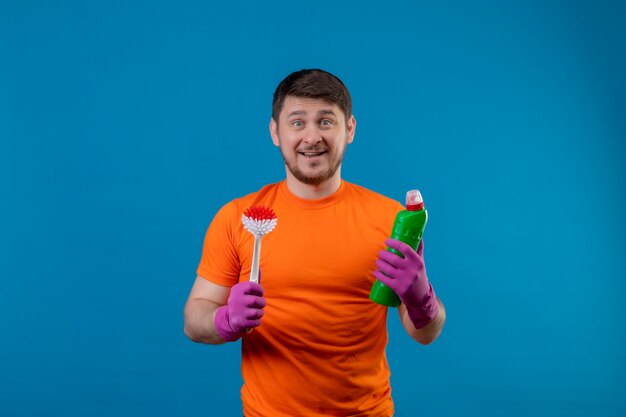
<point>312,154</point>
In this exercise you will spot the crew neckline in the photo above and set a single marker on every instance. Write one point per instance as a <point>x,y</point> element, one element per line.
<point>314,204</point>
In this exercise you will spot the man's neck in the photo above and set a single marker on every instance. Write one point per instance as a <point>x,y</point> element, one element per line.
<point>313,192</point>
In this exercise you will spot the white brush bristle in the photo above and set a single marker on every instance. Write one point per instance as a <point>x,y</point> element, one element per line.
<point>258,227</point>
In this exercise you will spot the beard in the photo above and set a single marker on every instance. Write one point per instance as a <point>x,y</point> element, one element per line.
<point>318,179</point>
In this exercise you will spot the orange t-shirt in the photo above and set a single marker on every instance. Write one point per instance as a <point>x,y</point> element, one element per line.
<point>320,348</point>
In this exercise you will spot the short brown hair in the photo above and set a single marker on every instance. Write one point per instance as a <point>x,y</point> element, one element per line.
<point>313,83</point>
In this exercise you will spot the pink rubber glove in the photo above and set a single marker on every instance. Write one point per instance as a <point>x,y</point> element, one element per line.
<point>243,311</point>
<point>407,277</point>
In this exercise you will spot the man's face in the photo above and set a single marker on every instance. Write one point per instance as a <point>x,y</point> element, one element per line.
<point>312,135</point>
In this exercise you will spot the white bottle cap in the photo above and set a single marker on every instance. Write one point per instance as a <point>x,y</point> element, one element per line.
<point>414,200</point>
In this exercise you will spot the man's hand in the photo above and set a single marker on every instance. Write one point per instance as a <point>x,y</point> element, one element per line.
<point>243,311</point>
<point>406,275</point>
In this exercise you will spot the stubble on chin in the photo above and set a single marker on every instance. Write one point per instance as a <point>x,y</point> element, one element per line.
<point>309,180</point>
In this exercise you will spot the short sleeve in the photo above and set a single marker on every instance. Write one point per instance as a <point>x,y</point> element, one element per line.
<point>220,261</point>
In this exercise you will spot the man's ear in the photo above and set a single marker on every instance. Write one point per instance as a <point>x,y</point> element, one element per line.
<point>350,129</point>
<point>274,132</point>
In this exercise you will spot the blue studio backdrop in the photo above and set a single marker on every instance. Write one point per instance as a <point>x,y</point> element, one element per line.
<point>124,126</point>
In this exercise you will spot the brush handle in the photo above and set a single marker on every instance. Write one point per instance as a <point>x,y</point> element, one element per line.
<point>256,258</point>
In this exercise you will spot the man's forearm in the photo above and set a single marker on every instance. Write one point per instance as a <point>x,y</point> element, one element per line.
<point>428,333</point>
<point>200,321</point>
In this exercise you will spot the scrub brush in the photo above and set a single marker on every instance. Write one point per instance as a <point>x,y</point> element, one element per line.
<point>259,221</point>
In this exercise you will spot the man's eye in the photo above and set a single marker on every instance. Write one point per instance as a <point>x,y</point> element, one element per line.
<point>326,122</point>
<point>297,123</point>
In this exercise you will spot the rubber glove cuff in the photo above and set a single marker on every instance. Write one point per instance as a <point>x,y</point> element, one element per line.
<point>422,315</point>
<point>223,327</point>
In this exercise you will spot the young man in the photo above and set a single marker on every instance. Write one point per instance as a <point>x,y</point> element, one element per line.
<point>318,345</point>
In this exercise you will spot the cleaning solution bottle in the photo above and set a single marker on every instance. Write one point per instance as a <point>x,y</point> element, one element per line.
<point>408,228</point>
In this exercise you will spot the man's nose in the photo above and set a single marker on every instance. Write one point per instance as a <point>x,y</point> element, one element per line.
<point>312,135</point>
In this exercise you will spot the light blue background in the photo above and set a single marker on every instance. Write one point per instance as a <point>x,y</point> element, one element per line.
<point>124,126</point>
